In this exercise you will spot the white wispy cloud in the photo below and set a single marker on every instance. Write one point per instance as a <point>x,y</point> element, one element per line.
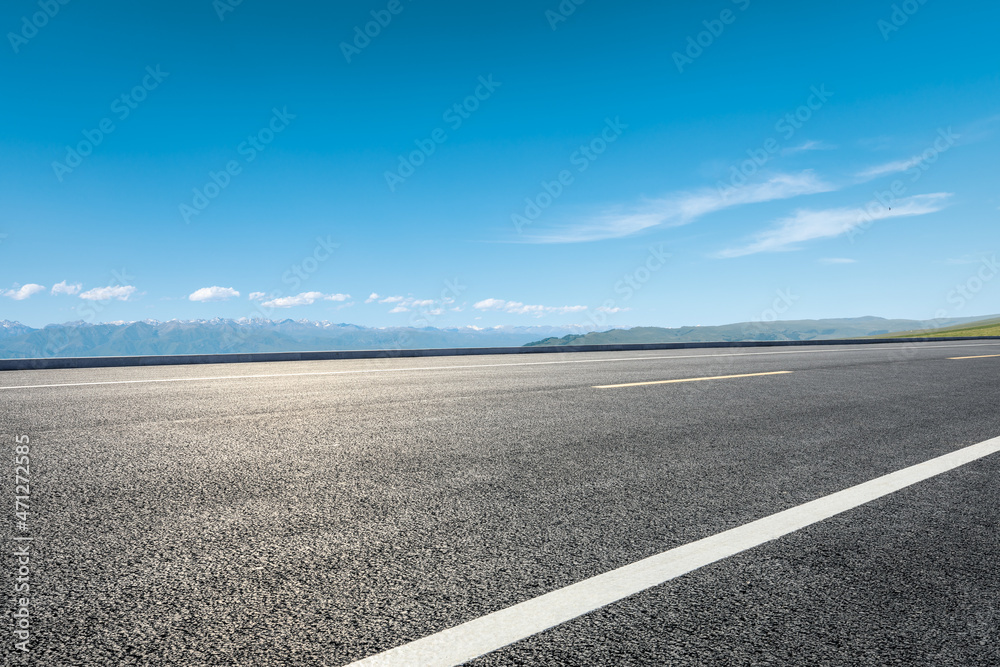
<point>893,167</point>
<point>404,304</point>
<point>980,130</point>
<point>946,138</point>
<point>119,292</point>
<point>837,260</point>
<point>304,299</point>
<point>518,308</point>
<point>64,288</point>
<point>964,259</point>
<point>214,293</point>
<point>685,207</point>
<point>257,296</point>
<point>372,297</point>
<point>807,225</point>
<point>22,292</point>
<point>878,143</point>
<point>807,146</point>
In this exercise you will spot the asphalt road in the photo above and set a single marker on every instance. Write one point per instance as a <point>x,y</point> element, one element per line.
<point>317,513</point>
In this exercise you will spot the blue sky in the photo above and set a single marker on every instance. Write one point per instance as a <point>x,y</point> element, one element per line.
<point>626,163</point>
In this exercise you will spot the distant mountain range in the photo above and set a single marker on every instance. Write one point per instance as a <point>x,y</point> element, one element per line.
<point>854,327</point>
<point>151,337</point>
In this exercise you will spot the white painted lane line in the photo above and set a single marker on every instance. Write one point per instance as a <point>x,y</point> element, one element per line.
<point>489,633</point>
<point>467,366</point>
<point>703,379</point>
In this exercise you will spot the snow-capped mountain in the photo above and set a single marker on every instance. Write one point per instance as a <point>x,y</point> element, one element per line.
<point>147,337</point>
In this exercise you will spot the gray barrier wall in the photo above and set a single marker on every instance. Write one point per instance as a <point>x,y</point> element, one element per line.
<point>175,359</point>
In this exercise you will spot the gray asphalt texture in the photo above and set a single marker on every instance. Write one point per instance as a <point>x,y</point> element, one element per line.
<point>319,519</point>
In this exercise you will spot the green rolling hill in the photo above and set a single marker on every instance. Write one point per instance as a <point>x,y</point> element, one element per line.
<point>988,327</point>
<point>856,327</point>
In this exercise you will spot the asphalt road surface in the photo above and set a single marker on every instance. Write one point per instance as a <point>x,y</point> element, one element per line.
<point>320,513</point>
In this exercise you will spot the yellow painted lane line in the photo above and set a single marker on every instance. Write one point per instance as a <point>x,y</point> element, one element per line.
<point>981,356</point>
<point>717,377</point>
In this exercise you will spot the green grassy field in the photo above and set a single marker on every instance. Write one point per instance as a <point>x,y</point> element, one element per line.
<point>989,327</point>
